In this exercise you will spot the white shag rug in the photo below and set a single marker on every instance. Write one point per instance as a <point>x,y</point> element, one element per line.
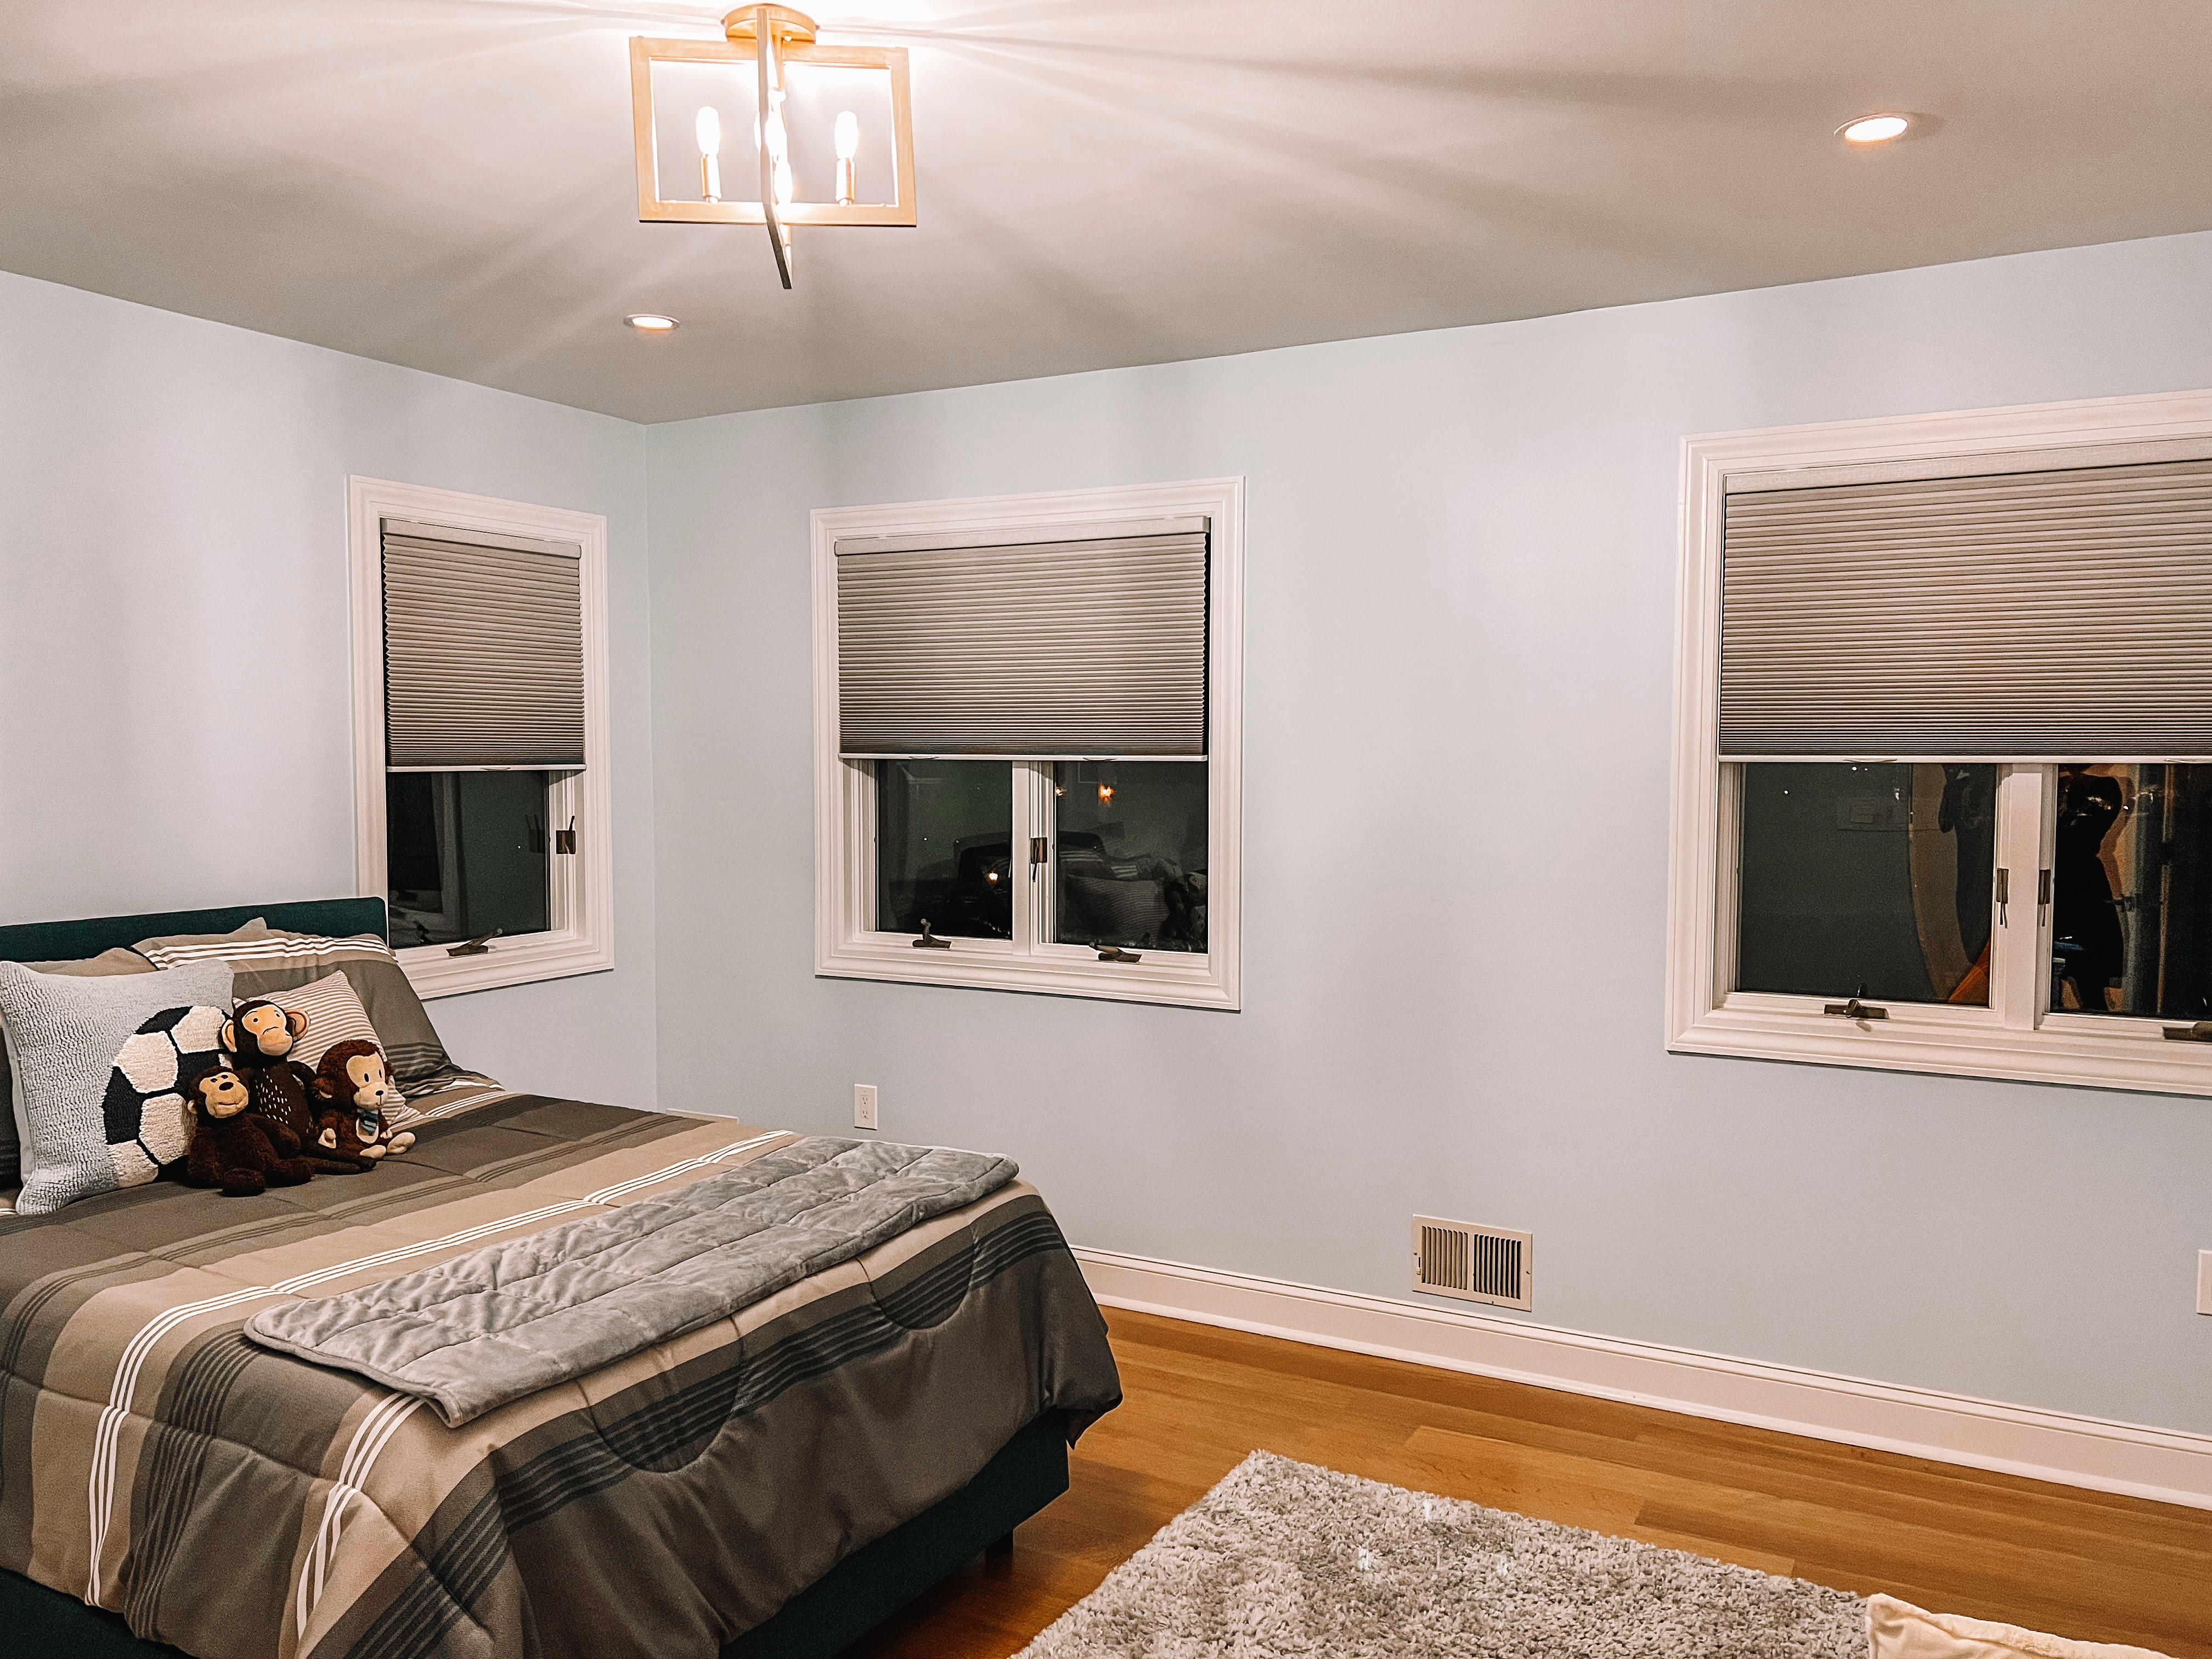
<point>1283,1560</point>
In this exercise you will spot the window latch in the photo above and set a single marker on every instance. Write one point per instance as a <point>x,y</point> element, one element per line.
<point>564,840</point>
<point>2200,1032</point>
<point>2004,894</point>
<point>2042,895</point>
<point>929,941</point>
<point>1040,850</point>
<point>478,946</point>
<point>1114,953</point>
<point>1854,1009</point>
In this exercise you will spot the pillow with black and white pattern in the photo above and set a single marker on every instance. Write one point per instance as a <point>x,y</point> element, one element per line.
<point>100,1062</point>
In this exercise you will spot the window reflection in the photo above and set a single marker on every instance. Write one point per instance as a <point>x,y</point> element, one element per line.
<point>1130,844</point>
<point>944,836</point>
<point>1873,880</point>
<point>2131,890</point>
<point>467,853</point>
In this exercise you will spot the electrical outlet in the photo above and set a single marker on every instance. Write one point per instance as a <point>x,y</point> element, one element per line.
<point>2204,1281</point>
<point>863,1105</point>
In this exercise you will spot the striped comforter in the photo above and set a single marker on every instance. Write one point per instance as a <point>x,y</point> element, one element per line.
<point>238,1502</point>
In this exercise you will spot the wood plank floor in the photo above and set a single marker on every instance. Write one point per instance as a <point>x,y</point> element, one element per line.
<point>2085,1564</point>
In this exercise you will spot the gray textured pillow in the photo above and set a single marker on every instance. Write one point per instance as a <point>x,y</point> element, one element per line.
<point>115,961</point>
<point>74,1037</point>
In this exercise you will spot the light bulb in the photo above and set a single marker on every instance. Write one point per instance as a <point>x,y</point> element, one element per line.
<point>1105,793</point>
<point>848,146</point>
<point>710,151</point>
<point>777,139</point>
<point>1874,129</point>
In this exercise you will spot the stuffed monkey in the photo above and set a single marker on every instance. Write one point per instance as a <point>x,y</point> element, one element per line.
<point>353,1086</point>
<point>259,1036</point>
<point>233,1148</point>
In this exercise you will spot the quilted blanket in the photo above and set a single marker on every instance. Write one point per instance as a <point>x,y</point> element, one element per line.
<point>514,1317</point>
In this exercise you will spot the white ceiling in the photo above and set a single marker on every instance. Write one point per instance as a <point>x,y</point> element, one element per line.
<point>448,183</point>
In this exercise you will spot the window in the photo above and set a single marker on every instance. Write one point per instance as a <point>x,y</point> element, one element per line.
<point>1943,745</point>
<point>481,800</point>
<point>1027,767</point>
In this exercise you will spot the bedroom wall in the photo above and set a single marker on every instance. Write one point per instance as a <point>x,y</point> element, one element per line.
<point>172,576</point>
<point>1462,550</point>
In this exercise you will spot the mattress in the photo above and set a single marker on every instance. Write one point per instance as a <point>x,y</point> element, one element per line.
<point>236,1501</point>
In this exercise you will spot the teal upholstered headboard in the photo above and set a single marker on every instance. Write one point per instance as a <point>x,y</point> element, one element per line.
<point>65,941</point>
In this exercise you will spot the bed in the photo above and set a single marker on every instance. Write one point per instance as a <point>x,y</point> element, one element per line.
<point>766,1487</point>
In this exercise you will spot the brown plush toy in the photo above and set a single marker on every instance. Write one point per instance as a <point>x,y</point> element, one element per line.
<point>353,1086</point>
<point>232,1148</point>
<point>259,1036</point>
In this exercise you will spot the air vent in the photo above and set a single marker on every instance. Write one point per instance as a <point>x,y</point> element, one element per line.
<point>1476,1264</point>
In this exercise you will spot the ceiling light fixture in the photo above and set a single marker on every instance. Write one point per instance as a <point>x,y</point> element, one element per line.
<point>1874,129</point>
<point>651,322</point>
<point>766,50</point>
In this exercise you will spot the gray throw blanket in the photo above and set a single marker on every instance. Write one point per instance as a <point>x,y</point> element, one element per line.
<point>513,1318</point>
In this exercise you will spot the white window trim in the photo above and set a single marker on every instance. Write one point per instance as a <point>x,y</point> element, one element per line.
<point>846,945</point>
<point>2015,1037</point>
<point>583,885</point>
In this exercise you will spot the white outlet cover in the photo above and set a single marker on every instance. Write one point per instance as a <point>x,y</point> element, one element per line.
<point>863,1105</point>
<point>2204,1281</point>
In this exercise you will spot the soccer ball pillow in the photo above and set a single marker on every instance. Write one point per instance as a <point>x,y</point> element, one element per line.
<point>148,1122</point>
<point>98,1061</point>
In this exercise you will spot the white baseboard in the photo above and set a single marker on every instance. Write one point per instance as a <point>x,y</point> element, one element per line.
<point>2168,1465</point>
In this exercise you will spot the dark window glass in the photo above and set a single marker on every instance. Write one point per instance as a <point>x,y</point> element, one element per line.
<point>467,853</point>
<point>945,840</point>
<point>2132,891</point>
<point>1874,880</point>
<point>1130,842</point>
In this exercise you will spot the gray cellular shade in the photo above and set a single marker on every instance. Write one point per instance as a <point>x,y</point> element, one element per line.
<point>1063,649</point>
<point>484,651</point>
<point>2057,615</point>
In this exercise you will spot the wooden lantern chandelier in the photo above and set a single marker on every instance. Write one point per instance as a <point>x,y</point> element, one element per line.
<point>770,53</point>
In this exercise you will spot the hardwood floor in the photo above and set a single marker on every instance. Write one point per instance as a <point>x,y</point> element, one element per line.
<point>2085,1564</point>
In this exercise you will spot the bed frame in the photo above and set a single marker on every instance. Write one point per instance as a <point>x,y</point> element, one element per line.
<point>851,1599</point>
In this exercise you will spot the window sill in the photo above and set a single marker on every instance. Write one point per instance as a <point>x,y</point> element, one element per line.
<point>2065,1048</point>
<point>1170,978</point>
<point>434,972</point>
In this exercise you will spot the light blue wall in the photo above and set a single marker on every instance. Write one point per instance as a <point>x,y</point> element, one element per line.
<point>174,682</point>
<point>1462,550</point>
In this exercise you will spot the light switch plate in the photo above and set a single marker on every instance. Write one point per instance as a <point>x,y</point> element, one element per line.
<point>2204,1281</point>
<point>863,1105</point>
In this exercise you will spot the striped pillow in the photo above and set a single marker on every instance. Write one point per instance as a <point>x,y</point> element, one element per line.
<point>279,962</point>
<point>249,953</point>
<point>256,928</point>
<point>334,1016</point>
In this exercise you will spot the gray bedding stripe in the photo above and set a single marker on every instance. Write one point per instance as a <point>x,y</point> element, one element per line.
<point>509,1320</point>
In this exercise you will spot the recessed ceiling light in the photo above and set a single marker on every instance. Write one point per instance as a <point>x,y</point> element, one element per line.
<point>1874,129</point>
<point>651,322</point>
